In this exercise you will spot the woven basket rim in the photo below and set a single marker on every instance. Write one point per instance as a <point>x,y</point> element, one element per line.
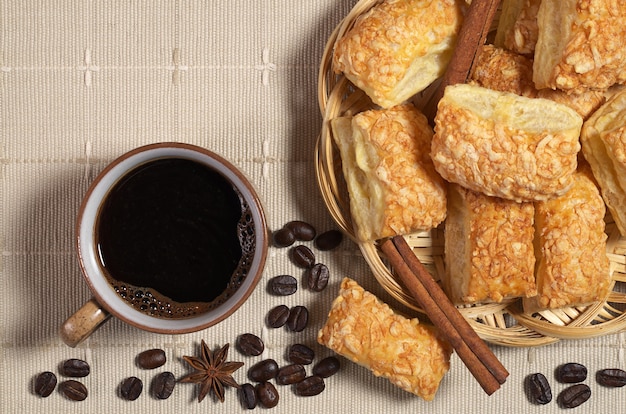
<point>503,324</point>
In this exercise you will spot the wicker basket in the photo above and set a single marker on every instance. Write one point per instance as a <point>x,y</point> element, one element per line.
<point>502,323</point>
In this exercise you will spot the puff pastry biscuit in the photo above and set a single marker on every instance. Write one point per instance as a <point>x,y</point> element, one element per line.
<point>505,145</point>
<point>584,103</point>
<point>506,71</point>
<point>365,330</point>
<point>580,44</point>
<point>488,248</point>
<point>517,26</point>
<point>603,140</point>
<point>570,248</point>
<point>399,47</point>
<point>501,70</point>
<point>392,184</point>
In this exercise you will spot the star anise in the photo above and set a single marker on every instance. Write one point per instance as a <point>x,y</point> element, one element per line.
<point>212,371</point>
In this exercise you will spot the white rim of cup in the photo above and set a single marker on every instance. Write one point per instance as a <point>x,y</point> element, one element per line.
<point>91,269</point>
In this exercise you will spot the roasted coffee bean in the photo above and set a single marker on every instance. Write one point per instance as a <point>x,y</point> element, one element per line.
<point>278,316</point>
<point>247,395</point>
<point>310,386</point>
<point>326,367</point>
<point>298,318</point>
<point>574,396</point>
<point>131,388</point>
<point>151,359</point>
<point>538,387</point>
<point>283,285</point>
<point>571,373</point>
<point>302,230</point>
<point>163,385</point>
<point>300,354</point>
<point>263,371</point>
<point>45,383</point>
<point>317,277</point>
<point>302,256</point>
<point>74,390</point>
<point>329,240</point>
<point>284,237</point>
<point>290,374</point>
<point>75,368</point>
<point>267,394</point>
<point>250,344</point>
<point>612,377</point>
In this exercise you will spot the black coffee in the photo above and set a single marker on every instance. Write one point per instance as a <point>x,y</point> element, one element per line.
<point>175,238</point>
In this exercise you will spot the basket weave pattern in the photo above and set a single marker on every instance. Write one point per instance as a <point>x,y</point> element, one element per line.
<point>499,323</point>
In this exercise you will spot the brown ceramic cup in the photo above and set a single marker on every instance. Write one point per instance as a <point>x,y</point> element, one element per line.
<point>106,301</point>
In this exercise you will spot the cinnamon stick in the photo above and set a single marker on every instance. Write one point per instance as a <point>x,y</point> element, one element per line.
<point>483,365</point>
<point>475,343</point>
<point>469,40</point>
<point>474,353</point>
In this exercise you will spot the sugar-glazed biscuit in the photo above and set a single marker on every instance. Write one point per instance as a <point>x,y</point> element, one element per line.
<point>505,145</point>
<point>411,355</point>
<point>488,248</point>
<point>392,184</point>
<point>501,70</point>
<point>603,140</point>
<point>399,47</point>
<point>517,26</point>
<point>506,71</point>
<point>570,247</point>
<point>580,44</point>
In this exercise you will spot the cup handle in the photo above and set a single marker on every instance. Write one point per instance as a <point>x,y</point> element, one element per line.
<point>83,323</point>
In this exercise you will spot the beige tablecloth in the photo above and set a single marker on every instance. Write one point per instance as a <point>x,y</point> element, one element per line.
<point>81,82</point>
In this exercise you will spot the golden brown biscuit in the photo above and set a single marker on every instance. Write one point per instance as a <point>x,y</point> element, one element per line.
<point>584,103</point>
<point>505,145</point>
<point>488,248</point>
<point>392,184</point>
<point>570,248</point>
<point>505,71</point>
<point>580,44</point>
<point>517,26</point>
<point>603,140</point>
<point>399,47</point>
<point>365,330</point>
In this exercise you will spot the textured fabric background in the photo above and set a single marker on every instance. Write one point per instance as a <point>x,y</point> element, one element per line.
<point>81,82</point>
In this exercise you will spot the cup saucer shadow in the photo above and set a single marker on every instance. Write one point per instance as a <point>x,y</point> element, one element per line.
<point>40,264</point>
<point>305,127</point>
